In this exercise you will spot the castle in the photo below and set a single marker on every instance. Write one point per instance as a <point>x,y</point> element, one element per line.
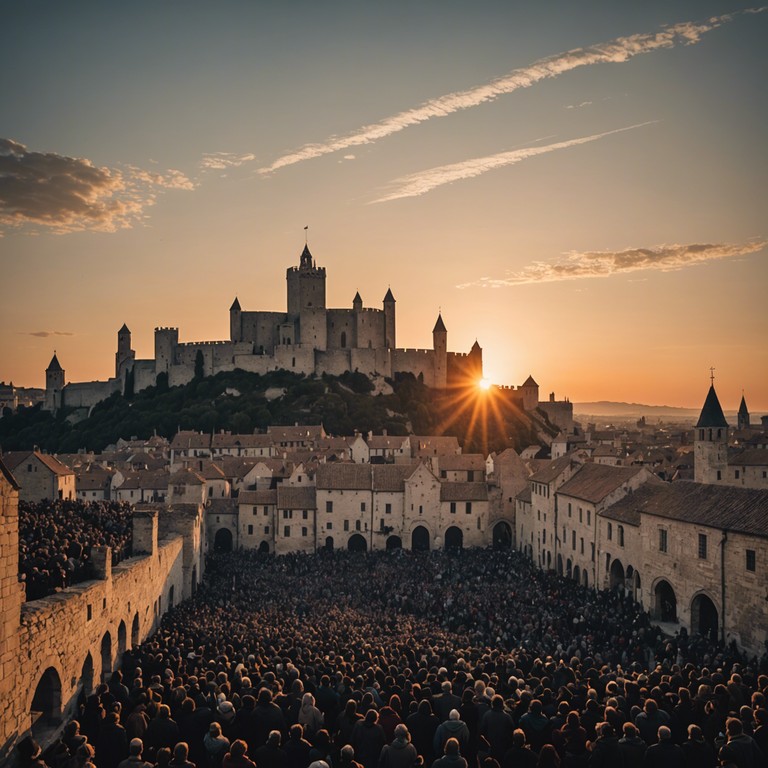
<point>308,338</point>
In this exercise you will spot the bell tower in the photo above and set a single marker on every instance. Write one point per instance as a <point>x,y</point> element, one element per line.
<point>710,445</point>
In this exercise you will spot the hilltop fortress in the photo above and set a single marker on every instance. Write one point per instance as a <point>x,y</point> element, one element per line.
<point>308,338</point>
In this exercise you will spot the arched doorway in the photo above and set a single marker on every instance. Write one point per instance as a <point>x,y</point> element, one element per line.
<point>568,568</point>
<point>616,575</point>
<point>420,539</point>
<point>394,542</point>
<point>46,705</point>
<point>121,640</point>
<point>502,535</point>
<point>454,539</point>
<point>86,676</point>
<point>356,543</point>
<point>559,565</point>
<point>106,656</point>
<point>329,543</point>
<point>577,574</point>
<point>549,560</point>
<point>222,541</point>
<point>704,619</point>
<point>135,630</point>
<point>665,602</point>
<point>585,576</point>
<point>264,547</point>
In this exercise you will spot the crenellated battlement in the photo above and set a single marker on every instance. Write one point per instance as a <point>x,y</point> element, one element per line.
<point>164,328</point>
<point>203,343</point>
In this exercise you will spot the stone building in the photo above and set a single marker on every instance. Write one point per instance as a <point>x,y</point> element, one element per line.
<point>307,338</point>
<point>41,476</point>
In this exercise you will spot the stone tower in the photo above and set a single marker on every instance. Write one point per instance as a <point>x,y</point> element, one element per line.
<point>710,444</point>
<point>124,352</point>
<point>530,390</point>
<point>235,322</point>
<point>306,300</point>
<point>743,415</point>
<point>54,384</point>
<point>389,319</point>
<point>440,345</point>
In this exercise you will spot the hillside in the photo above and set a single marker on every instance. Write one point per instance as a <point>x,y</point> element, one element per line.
<point>242,402</point>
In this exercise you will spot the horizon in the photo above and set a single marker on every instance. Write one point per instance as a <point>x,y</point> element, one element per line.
<point>580,190</point>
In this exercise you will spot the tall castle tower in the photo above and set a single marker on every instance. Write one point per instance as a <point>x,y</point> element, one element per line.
<point>124,352</point>
<point>306,300</point>
<point>235,321</point>
<point>389,319</point>
<point>743,415</point>
<point>54,384</point>
<point>710,445</point>
<point>440,345</point>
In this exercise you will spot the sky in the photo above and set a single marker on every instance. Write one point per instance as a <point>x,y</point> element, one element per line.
<point>580,187</point>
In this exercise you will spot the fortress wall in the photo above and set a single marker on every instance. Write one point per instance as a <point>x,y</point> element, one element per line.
<point>313,328</point>
<point>76,637</point>
<point>143,375</point>
<point>88,393</point>
<point>255,363</point>
<point>334,362</point>
<point>371,331</point>
<point>340,321</point>
<point>260,328</point>
<point>299,358</point>
<point>180,374</point>
<point>415,361</point>
<point>370,361</point>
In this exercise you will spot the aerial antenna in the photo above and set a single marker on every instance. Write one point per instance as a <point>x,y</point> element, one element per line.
<point>712,376</point>
<point>306,234</point>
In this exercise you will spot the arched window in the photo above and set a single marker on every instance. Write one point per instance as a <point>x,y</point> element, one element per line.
<point>343,339</point>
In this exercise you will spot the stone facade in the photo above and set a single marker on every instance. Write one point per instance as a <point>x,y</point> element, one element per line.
<point>40,476</point>
<point>308,338</point>
<point>53,648</point>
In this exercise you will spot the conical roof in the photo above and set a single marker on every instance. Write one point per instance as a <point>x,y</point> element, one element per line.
<point>530,382</point>
<point>54,365</point>
<point>743,410</point>
<point>439,325</point>
<point>476,345</point>
<point>712,413</point>
<point>235,306</point>
<point>388,295</point>
<point>357,299</point>
<point>306,257</point>
<point>124,329</point>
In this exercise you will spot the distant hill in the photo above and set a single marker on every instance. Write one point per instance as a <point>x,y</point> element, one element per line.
<point>629,410</point>
<point>242,402</point>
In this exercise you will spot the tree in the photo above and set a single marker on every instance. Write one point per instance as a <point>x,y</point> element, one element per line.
<point>199,364</point>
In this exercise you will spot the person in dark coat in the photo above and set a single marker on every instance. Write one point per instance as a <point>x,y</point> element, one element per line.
<point>453,727</point>
<point>271,754</point>
<point>519,755</point>
<point>162,731</point>
<point>605,749</point>
<point>347,757</point>
<point>697,752</point>
<point>400,753</point>
<point>422,725</point>
<point>497,727</point>
<point>266,717</point>
<point>451,756</point>
<point>111,743</point>
<point>649,721</point>
<point>665,753</point>
<point>346,722</point>
<point>631,747</point>
<point>445,702</point>
<point>368,739</point>
<point>236,757</point>
<point>181,756</point>
<point>536,726</point>
<point>134,759</point>
<point>297,748</point>
<point>741,748</point>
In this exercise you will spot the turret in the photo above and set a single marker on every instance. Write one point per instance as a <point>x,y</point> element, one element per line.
<point>440,345</point>
<point>710,445</point>
<point>389,320</point>
<point>743,415</point>
<point>235,322</point>
<point>54,384</point>
<point>306,300</point>
<point>530,390</point>
<point>357,303</point>
<point>124,352</point>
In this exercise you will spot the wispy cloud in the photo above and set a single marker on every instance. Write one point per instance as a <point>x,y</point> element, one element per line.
<point>580,266</point>
<point>416,184</point>
<point>45,334</point>
<point>220,161</point>
<point>615,51</point>
<point>580,105</point>
<point>70,194</point>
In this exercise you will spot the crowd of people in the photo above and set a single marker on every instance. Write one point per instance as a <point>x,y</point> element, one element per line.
<point>475,659</point>
<point>55,540</point>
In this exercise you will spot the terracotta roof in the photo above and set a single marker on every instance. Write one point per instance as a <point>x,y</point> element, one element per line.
<point>185,477</point>
<point>311,432</point>
<point>744,510</point>
<point>13,459</point>
<point>338,477</point>
<point>463,492</point>
<point>8,475</point>
<point>711,414</point>
<point>525,495</point>
<point>241,441</point>
<point>222,506</point>
<point>391,477</point>
<point>552,471</point>
<point>593,482</point>
<point>432,445</point>
<point>296,497</point>
<point>387,442</point>
<point>462,462</point>
<point>190,439</point>
<point>258,497</point>
<point>750,457</point>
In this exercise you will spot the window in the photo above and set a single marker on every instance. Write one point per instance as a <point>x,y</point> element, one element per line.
<point>479,526</point>
<point>662,540</point>
<point>610,531</point>
<point>573,540</point>
<point>421,510</point>
<point>254,510</point>
<point>589,517</point>
<point>287,530</point>
<point>88,612</point>
<point>287,514</point>
<point>453,507</point>
<point>357,525</point>
<point>329,506</point>
<point>362,506</point>
<point>388,509</point>
<point>329,526</point>
<point>592,545</point>
<point>736,474</point>
<point>581,545</point>
<point>346,525</point>
<point>304,515</point>
<point>303,530</point>
<point>250,530</point>
<point>621,535</point>
<point>443,474</point>
<point>719,475</point>
<point>569,509</point>
<point>702,546</point>
<point>266,511</point>
<point>266,530</point>
<point>751,560</point>
<point>581,515</point>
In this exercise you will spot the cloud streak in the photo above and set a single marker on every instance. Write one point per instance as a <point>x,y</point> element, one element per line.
<point>591,264</point>
<point>68,194</point>
<point>616,51</point>
<point>221,161</point>
<point>416,184</point>
<point>46,334</point>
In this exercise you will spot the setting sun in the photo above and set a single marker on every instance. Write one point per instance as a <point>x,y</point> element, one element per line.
<point>484,384</point>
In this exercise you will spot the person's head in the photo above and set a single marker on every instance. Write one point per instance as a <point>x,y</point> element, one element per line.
<point>371,716</point>
<point>135,748</point>
<point>180,752</point>
<point>664,733</point>
<point>164,712</point>
<point>695,733</point>
<point>454,715</point>
<point>451,747</point>
<point>401,732</point>
<point>296,732</point>
<point>518,738</point>
<point>733,727</point>
<point>650,707</point>
<point>347,753</point>
<point>629,730</point>
<point>238,748</point>
<point>497,702</point>
<point>274,739</point>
